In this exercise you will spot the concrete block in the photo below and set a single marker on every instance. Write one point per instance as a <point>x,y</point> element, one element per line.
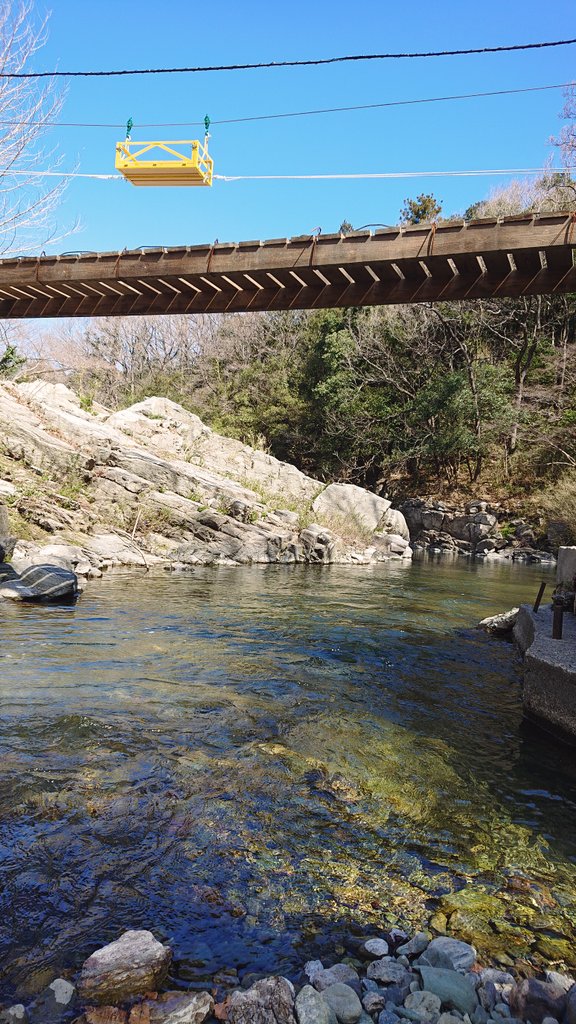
<point>566,568</point>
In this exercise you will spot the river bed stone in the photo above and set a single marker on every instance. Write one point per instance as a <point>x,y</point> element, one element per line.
<point>133,964</point>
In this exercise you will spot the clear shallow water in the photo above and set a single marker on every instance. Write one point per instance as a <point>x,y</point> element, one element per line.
<point>248,761</point>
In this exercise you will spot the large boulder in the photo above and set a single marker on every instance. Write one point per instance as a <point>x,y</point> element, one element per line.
<point>134,964</point>
<point>339,503</point>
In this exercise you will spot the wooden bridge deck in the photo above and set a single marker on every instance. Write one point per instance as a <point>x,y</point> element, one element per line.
<point>524,255</point>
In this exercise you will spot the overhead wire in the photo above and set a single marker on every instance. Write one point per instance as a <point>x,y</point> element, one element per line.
<point>290,63</point>
<point>484,172</point>
<point>296,113</point>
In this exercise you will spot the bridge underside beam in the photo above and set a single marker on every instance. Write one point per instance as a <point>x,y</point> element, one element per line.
<point>518,257</point>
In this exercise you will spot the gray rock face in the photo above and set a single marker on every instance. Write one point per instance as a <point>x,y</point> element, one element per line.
<point>534,1000</point>
<point>312,1008</point>
<point>180,1008</point>
<point>454,990</point>
<point>344,1002</point>
<point>270,1001</point>
<point>136,963</point>
<point>461,954</point>
<point>7,541</point>
<point>472,530</point>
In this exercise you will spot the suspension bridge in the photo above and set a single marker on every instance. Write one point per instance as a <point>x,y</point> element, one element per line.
<point>510,257</point>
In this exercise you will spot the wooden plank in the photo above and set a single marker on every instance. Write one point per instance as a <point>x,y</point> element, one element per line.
<point>449,241</point>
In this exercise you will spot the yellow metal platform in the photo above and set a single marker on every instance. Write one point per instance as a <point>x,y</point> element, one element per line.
<point>161,163</point>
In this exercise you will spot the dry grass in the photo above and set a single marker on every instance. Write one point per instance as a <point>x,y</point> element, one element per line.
<point>558,505</point>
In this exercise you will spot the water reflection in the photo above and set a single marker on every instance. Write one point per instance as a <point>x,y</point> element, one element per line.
<point>246,761</point>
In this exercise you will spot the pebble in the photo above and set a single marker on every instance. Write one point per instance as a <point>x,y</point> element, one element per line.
<point>424,1003</point>
<point>14,1014</point>
<point>386,1017</point>
<point>373,1002</point>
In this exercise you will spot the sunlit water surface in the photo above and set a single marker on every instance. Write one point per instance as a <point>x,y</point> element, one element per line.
<point>249,761</point>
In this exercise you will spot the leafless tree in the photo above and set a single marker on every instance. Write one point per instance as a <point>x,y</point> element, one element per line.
<point>28,199</point>
<point>567,137</point>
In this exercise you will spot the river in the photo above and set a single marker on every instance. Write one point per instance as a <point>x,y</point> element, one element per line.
<point>252,762</point>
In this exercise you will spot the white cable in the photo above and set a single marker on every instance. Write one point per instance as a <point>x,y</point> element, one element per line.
<point>392,174</point>
<point>310,177</point>
<point>60,174</point>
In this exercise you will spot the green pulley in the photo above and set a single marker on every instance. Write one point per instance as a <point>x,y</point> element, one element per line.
<point>206,124</point>
<point>129,127</point>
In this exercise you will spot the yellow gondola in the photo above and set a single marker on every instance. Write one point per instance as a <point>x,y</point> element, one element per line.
<point>161,163</point>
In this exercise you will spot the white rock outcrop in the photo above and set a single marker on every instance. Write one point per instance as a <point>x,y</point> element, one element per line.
<point>152,485</point>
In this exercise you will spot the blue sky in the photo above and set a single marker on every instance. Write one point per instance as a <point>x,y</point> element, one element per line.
<point>509,131</point>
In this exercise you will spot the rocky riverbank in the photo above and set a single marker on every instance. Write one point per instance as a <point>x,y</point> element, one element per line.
<point>89,489</point>
<point>386,977</point>
<point>476,530</point>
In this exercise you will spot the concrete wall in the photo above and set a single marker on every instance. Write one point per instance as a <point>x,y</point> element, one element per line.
<point>549,695</point>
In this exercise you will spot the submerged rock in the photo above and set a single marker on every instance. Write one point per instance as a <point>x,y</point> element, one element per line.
<point>502,623</point>
<point>180,1008</point>
<point>132,965</point>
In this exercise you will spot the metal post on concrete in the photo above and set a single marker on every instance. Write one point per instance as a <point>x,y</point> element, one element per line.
<point>539,595</point>
<point>557,618</point>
